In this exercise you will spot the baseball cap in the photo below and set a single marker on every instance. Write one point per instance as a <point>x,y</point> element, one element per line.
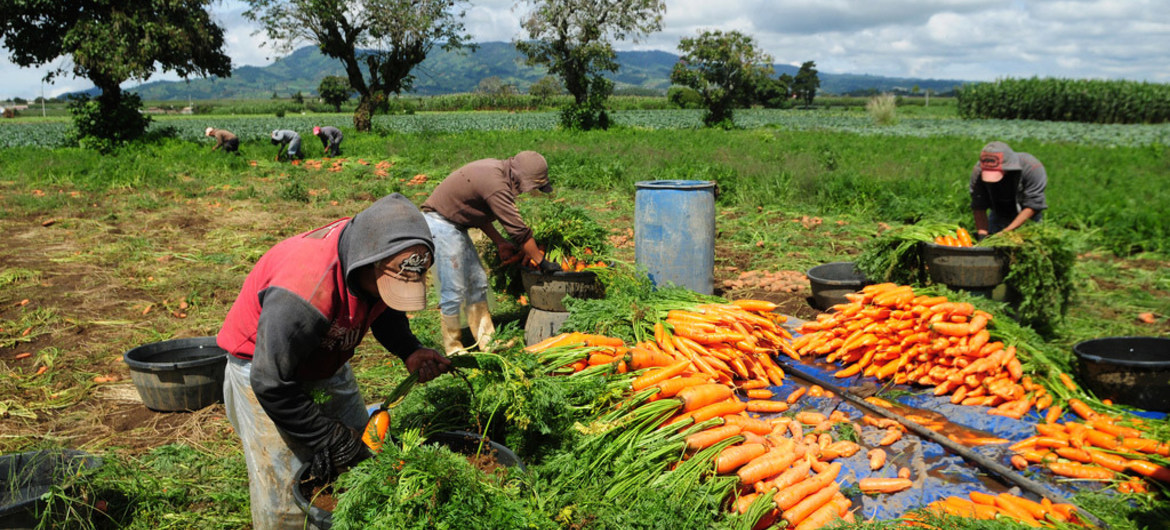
<point>402,278</point>
<point>316,130</point>
<point>531,169</point>
<point>996,158</point>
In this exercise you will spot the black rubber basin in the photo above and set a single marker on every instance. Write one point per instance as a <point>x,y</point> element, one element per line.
<point>458,441</point>
<point>546,291</point>
<point>832,281</point>
<point>964,267</point>
<point>177,375</point>
<point>26,477</point>
<point>1132,371</point>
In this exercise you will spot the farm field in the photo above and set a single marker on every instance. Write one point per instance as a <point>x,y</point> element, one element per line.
<point>102,254</point>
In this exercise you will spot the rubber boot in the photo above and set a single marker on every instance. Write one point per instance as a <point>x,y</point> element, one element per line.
<point>479,319</point>
<point>452,333</point>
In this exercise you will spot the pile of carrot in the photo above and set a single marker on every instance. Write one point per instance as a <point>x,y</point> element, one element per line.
<point>888,332</point>
<point>1005,505</point>
<point>962,238</point>
<point>1098,448</point>
<point>596,350</point>
<point>729,342</point>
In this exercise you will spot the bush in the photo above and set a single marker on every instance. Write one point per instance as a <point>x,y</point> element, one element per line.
<point>684,97</point>
<point>883,109</point>
<point>97,126</point>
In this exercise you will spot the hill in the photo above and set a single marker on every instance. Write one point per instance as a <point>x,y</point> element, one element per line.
<point>455,72</point>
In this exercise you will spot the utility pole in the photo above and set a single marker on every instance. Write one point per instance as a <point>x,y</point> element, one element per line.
<point>42,99</point>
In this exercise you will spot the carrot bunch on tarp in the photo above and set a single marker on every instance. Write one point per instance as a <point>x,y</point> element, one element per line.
<point>1007,506</point>
<point>1102,447</point>
<point>888,332</point>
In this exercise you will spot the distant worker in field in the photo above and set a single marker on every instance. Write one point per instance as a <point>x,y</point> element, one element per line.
<point>330,139</point>
<point>289,390</point>
<point>225,139</point>
<point>284,137</point>
<point>475,196</point>
<point>1009,184</point>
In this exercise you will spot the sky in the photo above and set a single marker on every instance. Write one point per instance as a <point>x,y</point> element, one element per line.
<point>967,40</point>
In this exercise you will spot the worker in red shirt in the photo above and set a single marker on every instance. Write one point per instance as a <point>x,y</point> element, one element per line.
<point>289,390</point>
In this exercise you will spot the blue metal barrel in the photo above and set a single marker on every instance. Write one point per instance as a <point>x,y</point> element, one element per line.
<point>674,232</point>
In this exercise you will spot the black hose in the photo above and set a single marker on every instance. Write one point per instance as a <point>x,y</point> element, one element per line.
<point>990,465</point>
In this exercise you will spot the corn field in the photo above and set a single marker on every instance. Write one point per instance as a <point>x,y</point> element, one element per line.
<point>1077,100</point>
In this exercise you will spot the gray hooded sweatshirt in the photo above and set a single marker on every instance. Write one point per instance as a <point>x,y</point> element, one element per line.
<point>485,191</point>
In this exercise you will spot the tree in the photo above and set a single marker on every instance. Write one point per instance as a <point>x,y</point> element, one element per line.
<point>495,87</point>
<point>298,98</point>
<point>573,39</point>
<point>806,83</point>
<point>724,68</point>
<point>379,42</point>
<point>546,87</point>
<point>334,90</point>
<point>111,42</point>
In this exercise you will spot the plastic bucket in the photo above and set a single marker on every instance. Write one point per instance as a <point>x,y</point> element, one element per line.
<point>674,232</point>
<point>542,324</point>
<point>964,267</point>
<point>1133,371</point>
<point>832,281</point>
<point>546,291</point>
<point>179,374</point>
<point>458,441</point>
<point>25,477</point>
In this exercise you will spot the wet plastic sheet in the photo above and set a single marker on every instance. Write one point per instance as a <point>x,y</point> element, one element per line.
<point>936,472</point>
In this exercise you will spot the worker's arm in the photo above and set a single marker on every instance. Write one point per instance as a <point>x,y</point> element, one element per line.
<point>1021,218</point>
<point>505,247</point>
<point>981,223</point>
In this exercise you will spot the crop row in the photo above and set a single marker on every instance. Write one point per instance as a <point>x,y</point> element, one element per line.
<point>252,128</point>
<point>1077,100</point>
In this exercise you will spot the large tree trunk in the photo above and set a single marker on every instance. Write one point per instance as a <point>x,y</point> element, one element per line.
<point>362,116</point>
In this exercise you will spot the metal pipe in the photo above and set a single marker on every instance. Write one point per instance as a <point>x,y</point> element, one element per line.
<point>990,465</point>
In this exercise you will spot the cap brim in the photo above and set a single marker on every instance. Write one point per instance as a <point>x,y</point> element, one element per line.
<point>991,176</point>
<point>402,295</point>
<point>547,188</point>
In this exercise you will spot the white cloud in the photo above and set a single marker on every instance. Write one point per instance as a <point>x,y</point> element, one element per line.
<point>941,39</point>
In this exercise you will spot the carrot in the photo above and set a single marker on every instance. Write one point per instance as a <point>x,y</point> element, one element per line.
<point>758,306</point>
<point>795,493</point>
<point>699,396</point>
<point>820,518</point>
<point>751,425</point>
<point>877,458</point>
<point>964,237</point>
<point>810,504</point>
<point>1109,460</point>
<point>884,485</point>
<point>641,358</point>
<point>753,384</point>
<point>951,329</point>
<point>374,434</point>
<point>599,358</point>
<point>904,472</point>
<point>712,436</point>
<point>661,374</point>
<point>744,502</point>
<point>559,340</point>
<point>42,369</point>
<point>767,465</point>
<point>602,340</point>
<point>1081,409</point>
<point>795,395</point>
<point>1053,414</point>
<point>722,408</point>
<point>1150,469</point>
<point>809,417</point>
<point>1009,506</point>
<point>1019,462</point>
<point>790,476</point>
<point>759,393</point>
<point>841,449</point>
<point>674,385</point>
<point>736,456</point>
<point>764,405</point>
<point>893,434</point>
<point>1068,382</point>
<point>1081,471</point>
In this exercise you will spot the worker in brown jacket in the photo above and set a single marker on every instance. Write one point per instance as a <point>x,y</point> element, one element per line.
<point>475,196</point>
<point>225,139</point>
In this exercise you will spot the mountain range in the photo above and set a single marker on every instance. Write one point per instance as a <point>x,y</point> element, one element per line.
<point>459,72</point>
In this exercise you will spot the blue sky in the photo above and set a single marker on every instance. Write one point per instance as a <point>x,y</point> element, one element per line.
<point>975,40</point>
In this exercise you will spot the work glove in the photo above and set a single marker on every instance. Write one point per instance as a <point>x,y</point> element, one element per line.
<point>343,449</point>
<point>980,236</point>
<point>549,267</point>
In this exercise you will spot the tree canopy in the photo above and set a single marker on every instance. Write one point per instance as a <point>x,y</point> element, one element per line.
<point>806,83</point>
<point>334,90</point>
<point>574,40</point>
<point>379,42</point>
<point>724,68</point>
<point>114,41</point>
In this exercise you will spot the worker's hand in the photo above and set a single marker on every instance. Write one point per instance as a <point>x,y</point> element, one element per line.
<point>341,450</point>
<point>427,364</point>
<point>549,267</point>
<point>980,235</point>
<point>507,251</point>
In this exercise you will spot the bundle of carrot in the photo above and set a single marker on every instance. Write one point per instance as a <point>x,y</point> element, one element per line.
<point>962,238</point>
<point>888,332</point>
<point>730,342</point>
<point>1007,506</point>
<point>579,351</point>
<point>1100,448</point>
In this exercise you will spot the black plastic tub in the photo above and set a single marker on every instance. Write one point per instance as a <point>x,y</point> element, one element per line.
<point>965,267</point>
<point>25,477</point>
<point>178,375</point>
<point>458,441</point>
<point>832,281</point>
<point>1132,371</point>
<point>546,291</point>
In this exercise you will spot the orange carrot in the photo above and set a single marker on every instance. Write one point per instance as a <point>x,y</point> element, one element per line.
<point>641,358</point>
<point>841,449</point>
<point>722,408</point>
<point>877,458</point>
<point>809,417</point>
<point>884,485</point>
<point>758,306</point>
<point>1068,382</point>
<point>790,476</point>
<point>753,384</point>
<point>602,340</point>
<point>767,465</point>
<point>558,340</point>
<point>661,374</point>
<point>599,358</point>
<point>893,434</point>
<point>1053,414</point>
<point>801,510</point>
<point>672,386</point>
<point>1081,409</point>
<point>735,456</point>
<point>699,396</point>
<point>709,437</point>
<point>788,497</point>
<point>751,425</point>
<point>764,405</point>
<point>904,472</point>
<point>374,434</point>
<point>759,393</point>
<point>1150,469</point>
<point>1075,470</point>
<point>796,394</point>
<point>1019,462</point>
<point>820,518</point>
